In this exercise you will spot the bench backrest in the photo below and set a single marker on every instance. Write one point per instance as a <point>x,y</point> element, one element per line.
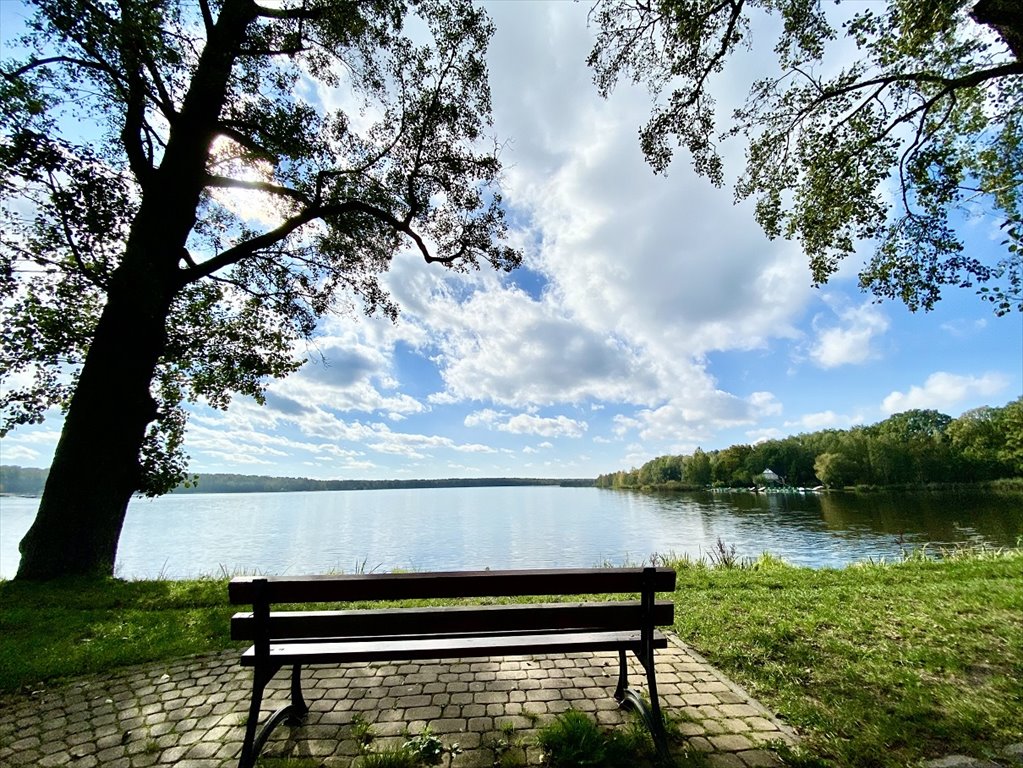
<point>610,615</point>
<point>450,584</point>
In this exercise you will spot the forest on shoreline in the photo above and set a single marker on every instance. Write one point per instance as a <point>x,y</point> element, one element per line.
<point>913,448</point>
<point>29,481</point>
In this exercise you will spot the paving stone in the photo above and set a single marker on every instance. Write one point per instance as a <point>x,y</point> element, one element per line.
<point>724,760</point>
<point>730,697</point>
<point>204,749</point>
<point>760,758</point>
<point>959,761</point>
<point>731,742</point>
<point>110,740</point>
<point>734,725</point>
<point>701,699</point>
<point>418,700</point>
<point>52,760</point>
<point>701,744</point>
<point>423,713</point>
<point>107,756</point>
<point>715,686</point>
<point>740,710</point>
<point>1013,752</point>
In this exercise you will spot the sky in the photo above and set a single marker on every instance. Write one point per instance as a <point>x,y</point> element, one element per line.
<point>651,316</point>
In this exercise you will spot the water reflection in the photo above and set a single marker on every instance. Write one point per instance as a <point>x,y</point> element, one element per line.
<point>457,528</point>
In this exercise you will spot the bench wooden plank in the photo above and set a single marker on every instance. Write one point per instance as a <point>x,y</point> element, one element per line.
<point>450,647</point>
<point>450,584</point>
<point>453,619</point>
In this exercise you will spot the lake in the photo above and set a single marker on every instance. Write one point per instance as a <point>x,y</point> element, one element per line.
<point>181,536</point>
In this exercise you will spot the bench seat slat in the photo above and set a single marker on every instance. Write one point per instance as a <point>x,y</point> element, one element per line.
<point>453,619</point>
<point>450,647</point>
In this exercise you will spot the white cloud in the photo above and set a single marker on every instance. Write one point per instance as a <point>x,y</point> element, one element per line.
<point>763,435</point>
<point>852,341</point>
<point>485,418</point>
<point>474,448</point>
<point>813,422</point>
<point>560,426</point>
<point>943,390</point>
<point>526,424</point>
<point>765,403</point>
<point>14,453</point>
<point>504,346</point>
<point>963,329</point>
<point>241,446</point>
<point>31,445</point>
<point>624,424</point>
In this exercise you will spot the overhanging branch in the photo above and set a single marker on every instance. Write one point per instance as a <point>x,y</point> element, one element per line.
<point>225,182</point>
<point>36,63</point>
<point>268,239</point>
<point>948,84</point>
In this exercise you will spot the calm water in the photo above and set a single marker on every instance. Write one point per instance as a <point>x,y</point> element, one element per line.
<point>474,528</point>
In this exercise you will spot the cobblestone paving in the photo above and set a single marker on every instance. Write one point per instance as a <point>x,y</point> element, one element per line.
<point>189,713</point>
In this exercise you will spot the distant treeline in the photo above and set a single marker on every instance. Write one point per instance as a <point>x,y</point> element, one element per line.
<point>226,483</point>
<point>910,448</point>
<point>28,481</point>
<point>22,481</point>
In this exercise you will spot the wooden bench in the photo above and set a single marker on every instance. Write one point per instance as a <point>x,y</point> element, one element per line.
<point>295,638</point>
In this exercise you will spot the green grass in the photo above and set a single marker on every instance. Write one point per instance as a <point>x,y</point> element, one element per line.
<point>573,740</point>
<point>874,665</point>
<point>65,628</point>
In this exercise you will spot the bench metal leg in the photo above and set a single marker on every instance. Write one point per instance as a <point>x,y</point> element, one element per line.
<point>651,713</point>
<point>623,676</point>
<point>298,708</point>
<point>248,756</point>
<point>291,713</point>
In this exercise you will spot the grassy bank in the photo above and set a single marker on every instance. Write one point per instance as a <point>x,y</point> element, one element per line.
<point>67,628</point>
<point>875,665</point>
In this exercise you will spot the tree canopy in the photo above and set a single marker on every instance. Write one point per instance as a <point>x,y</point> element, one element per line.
<point>188,185</point>
<point>917,132</point>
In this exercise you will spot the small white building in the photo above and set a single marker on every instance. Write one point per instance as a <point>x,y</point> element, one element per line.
<point>771,477</point>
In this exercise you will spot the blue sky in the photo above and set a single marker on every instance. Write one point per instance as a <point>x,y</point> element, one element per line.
<point>652,316</point>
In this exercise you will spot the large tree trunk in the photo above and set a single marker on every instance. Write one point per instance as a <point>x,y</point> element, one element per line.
<point>95,469</point>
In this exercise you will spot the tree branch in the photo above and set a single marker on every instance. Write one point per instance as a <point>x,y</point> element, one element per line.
<point>69,238</point>
<point>245,141</point>
<point>247,248</point>
<point>207,16</point>
<point>950,84</point>
<point>267,239</point>
<point>58,60</point>
<point>133,130</point>
<point>225,182</point>
<point>164,100</point>
<point>726,43</point>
